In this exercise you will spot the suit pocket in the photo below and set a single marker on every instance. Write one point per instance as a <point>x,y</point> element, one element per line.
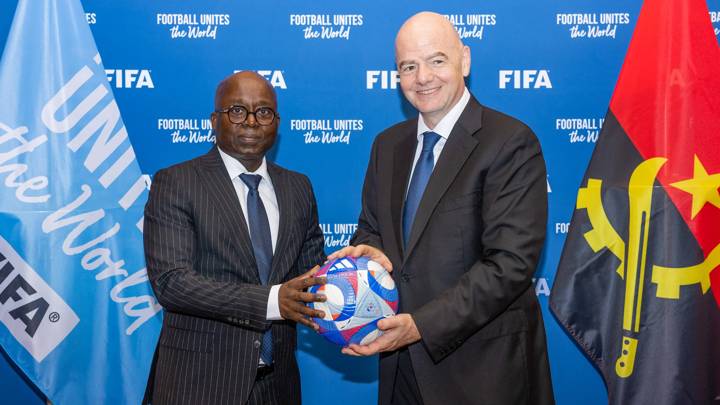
<point>469,200</point>
<point>188,340</point>
<point>496,355</point>
<point>510,322</point>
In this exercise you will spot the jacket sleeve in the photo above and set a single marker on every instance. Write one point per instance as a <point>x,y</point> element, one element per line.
<point>368,231</point>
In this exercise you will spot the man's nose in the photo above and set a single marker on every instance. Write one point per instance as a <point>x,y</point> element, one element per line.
<point>250,120</point>
<point>424,74</point>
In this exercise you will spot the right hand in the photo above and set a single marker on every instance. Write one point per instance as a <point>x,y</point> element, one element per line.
<point>373,253</point>
<point>292,298</point>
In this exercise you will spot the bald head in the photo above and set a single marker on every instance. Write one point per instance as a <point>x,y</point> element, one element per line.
<point>238,81</point>
<point>432,62</point>
<point>427,25</point>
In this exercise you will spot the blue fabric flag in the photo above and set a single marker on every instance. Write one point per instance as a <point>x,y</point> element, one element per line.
<point>78,314</point>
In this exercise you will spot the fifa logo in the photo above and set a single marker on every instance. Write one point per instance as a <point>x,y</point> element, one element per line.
<point>386,79</point>
<point>632,253</point>
<point>31,306</point>
<point>524,79</point>
<point>36,316</point>
<point>130,78</point>
<point>274,77</point>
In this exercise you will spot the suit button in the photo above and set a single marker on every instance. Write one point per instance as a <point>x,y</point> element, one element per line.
<point>256,344</point>
<point>405,278</point>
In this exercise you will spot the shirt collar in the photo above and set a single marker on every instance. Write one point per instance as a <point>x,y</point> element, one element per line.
<point>235,168</point>
<point>446,124</point>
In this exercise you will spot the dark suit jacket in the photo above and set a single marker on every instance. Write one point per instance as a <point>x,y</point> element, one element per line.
<point>202,268</point>
<point>466,274</point>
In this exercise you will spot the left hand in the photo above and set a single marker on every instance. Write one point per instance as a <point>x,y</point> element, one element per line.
<point>375,254</point>
<point>293,297</point>
<point>398,331</point>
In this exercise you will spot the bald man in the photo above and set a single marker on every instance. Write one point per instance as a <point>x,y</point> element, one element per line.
<point>230,243</point>
<point>455,202</point>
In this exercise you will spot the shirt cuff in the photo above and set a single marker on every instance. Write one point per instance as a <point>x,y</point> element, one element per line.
<point>273,306</point>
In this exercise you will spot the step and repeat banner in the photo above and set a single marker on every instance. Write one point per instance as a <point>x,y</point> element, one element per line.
<point>553,65</point>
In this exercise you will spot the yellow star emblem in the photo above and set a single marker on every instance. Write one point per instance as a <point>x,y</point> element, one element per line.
<point>703,187</point>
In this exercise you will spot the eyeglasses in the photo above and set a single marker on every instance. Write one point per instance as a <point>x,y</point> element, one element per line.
<point>238,114</point>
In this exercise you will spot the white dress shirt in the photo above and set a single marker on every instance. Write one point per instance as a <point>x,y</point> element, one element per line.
<point>267,195</point>
<point>443,128</point>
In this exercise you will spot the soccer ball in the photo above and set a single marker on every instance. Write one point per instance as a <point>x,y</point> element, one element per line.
<point>359,293</point>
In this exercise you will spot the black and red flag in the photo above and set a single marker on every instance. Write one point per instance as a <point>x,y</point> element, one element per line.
<point>638,278</point>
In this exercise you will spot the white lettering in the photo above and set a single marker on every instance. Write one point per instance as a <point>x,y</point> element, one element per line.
<point>562,227</point>
<point>63,95</point>
<point>388,79</point>
<point>18,169</point>
<point>541,287</point>
<point>524,79</point>
<point>57,220</point>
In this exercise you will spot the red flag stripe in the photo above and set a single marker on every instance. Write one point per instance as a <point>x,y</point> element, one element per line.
<point>667,99</point>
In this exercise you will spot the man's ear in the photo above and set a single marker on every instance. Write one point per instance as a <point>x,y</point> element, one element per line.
<point>466,61</point>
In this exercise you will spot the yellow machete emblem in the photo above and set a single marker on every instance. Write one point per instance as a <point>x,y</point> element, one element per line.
<point>633,258</point>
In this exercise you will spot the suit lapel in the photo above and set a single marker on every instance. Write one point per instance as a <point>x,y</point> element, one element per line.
<point>285,206</point>
<point>222,192</point>
<point>456,151</point>
<point>402,163</point>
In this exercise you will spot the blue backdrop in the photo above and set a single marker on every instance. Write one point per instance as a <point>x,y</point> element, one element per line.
<point>551,64</point>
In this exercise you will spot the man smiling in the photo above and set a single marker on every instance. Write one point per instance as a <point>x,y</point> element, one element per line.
<point>228,236</point>
<point>455,202</point>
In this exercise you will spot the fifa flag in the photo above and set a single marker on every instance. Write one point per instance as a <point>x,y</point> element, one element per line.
<point>78,315</point>
<point>638,271</point>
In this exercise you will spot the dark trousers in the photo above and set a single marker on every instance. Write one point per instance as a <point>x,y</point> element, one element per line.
<point>265,391</point>
<point>405,389</point>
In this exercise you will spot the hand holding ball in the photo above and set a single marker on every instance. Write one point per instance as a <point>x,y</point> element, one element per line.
<point>359,293</point>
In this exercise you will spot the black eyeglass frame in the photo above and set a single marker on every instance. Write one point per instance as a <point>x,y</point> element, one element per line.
<point>247,114</point>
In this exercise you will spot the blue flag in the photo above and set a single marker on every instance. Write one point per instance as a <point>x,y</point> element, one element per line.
<point>78,314</point>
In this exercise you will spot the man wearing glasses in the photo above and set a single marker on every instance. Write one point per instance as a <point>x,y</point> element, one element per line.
<point>230,242</point>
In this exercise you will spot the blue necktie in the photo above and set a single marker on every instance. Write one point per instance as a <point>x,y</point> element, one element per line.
<point>420,177</point>
<point>262,246</point>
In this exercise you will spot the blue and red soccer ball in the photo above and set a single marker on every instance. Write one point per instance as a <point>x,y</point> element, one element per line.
<point>359,293</point>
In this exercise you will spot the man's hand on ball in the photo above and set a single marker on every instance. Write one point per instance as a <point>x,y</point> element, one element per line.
<point>292,298</point>
<point>398,331</point>
<point>373,253</point>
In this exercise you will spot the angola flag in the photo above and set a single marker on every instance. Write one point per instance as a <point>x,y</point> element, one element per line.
<point>638,271</point>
